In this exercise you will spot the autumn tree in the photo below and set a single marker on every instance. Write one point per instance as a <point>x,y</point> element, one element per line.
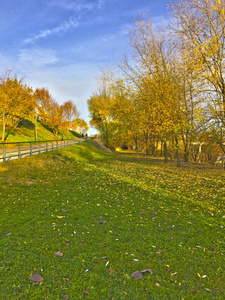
<point>16,102</point>
<point>70,111</point>
<point>99,106</point>
<point>81,123</point>
<point>152,73</point>
<point>125,114</point>
<point>50,111</point>
<point>200,24</point>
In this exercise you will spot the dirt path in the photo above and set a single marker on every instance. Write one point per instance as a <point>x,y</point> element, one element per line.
<point>99,144</point>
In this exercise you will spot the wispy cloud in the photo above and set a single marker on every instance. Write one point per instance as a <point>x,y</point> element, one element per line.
<point>37,57</point>
<point>63,27</point>
<point>80,5</point>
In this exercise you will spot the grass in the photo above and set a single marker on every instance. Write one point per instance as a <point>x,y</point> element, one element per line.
<point>26,132</point>
<point>158,217</point>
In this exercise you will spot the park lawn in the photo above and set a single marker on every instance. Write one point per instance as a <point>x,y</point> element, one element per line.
<point>25,131</point>
<point>110,215</point>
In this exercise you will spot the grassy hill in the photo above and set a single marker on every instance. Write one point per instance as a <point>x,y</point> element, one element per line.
<point>91,223</point>
<point>26,132</point>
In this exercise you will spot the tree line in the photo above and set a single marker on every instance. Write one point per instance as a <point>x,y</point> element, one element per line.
<point>18,101</point>
<point>169,87</point>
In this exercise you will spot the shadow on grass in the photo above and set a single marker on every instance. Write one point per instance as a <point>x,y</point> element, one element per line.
<point>26,123</point>
<point>140,159</point>
<point>143,159</point>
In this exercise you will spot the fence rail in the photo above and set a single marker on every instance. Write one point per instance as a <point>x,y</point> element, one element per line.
<point>18,150</point>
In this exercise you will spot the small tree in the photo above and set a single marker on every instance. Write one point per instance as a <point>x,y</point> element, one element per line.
<point>70,112</point>
<point>50,111</point>
<point>16,103</point>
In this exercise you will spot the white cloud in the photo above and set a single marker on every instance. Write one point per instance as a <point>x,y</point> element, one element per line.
<point>79,6</point>
<point>73,81</point>
<point>37,57</point>
<point>63,27</point>
<point>108,37</point>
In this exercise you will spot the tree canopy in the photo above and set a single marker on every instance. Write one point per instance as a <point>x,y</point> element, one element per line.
<point>170,88</point>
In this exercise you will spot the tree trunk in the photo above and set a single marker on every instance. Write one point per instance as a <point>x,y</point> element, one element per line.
<point>186,155</point>
<point>3,128</point>
<point>136,145</point>
<point>173,148</point>
<point>165,152</point>
<point>153,148</point>
<point>106,135</point>
<point>161,148</point>
<point>177,153</point>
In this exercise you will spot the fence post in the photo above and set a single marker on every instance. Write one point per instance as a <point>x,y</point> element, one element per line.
<point>57,144</point>
<point>46,146</point>
<point>19,151</point>
<point>30,148</point>
<point>4,153</point>
<point>39,148</point>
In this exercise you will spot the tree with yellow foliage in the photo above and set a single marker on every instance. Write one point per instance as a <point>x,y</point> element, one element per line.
<point>70,111</point>
<point>152,73</point>
<point>49,110</point>
<point>99,106</point>
<point>16,102</point>
<point>200,25</point>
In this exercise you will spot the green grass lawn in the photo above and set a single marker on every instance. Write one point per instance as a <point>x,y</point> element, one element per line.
<point>26,132</point>
<point>110,215</point>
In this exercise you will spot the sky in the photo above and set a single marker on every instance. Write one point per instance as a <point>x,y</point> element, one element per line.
<point>62,45</point>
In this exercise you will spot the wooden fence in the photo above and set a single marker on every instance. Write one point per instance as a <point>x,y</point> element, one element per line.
<point>17,150</point>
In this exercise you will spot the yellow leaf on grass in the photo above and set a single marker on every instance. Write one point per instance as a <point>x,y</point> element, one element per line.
<point>59,217</point>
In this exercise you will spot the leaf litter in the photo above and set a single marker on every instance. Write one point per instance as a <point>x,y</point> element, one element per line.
<point>36,278</point>
<point>138,274</point>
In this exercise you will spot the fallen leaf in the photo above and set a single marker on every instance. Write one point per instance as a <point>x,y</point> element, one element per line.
<point>136,275</point>
<point>102,222</point>
<point>111,271</point>
<point>67,297</point>
<point>36,278</point>
<point>59,253</point>
<point>8,234</point>
<point>147,270</point>
<point>59,217</point>
<point>88,270</point>
<point>85,292</point>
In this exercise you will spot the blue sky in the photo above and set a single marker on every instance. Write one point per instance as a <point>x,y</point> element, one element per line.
<point>63,44</point>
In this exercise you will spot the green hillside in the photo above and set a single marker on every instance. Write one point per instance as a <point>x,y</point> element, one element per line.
<point>100,225</point>
<point>26,132</point>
